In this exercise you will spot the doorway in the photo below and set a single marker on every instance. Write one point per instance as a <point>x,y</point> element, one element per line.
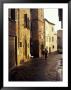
<point>12,51</point>
<point>49,49</point>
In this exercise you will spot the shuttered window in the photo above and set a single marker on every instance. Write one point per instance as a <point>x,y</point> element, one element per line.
<point>12,14</point>
<point>26,21</point>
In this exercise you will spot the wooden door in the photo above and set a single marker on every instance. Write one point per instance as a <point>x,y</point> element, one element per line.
<point>12,52</point>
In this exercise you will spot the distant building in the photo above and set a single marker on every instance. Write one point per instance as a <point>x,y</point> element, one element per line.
<point>55,41</point>
<point>60,14</point>
<point>50,36</point>
<point>37,32</point>
<point>19,36</point>
<point>60,39</point>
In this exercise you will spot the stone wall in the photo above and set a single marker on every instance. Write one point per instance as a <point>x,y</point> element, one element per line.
<point>23,36</point>
<point>37,30</point>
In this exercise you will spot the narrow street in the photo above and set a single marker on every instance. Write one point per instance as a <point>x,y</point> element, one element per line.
<point>39,69</point>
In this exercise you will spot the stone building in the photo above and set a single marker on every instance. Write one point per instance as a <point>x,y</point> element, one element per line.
<point>19,36</point>
<point>60,39</point>
<point>37,32</point>
<point>23,34</point>
<point>12,39</point>
<point>50,36</point>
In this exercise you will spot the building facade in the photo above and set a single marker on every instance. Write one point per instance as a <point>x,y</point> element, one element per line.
<point>37,32</point>
<point>19,36</point>
<point>59,39</point>
<point>12,38</point>
<point>50,36</point>
<point>23,34</point>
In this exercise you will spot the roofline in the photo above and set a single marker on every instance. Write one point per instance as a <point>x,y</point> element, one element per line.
<point>49,21</point>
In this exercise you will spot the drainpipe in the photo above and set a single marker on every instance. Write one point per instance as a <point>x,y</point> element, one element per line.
<point>44,33</point>
<point>18,28</point>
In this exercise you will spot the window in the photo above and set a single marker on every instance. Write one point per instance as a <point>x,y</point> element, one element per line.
<point>53,46</point>
<point>60,12</point>
<point>58,37</point>
<point>49,39</point>
<point>12,14</point>
<point>52,29</point>
<point>26,21</point>
<point>52,39</point>
<point>20,44</point>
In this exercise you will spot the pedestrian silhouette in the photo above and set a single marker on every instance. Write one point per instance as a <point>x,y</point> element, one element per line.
<point>43,52</point>
<point>46,53</point>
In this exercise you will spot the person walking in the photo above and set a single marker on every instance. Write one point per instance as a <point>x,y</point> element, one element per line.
<point>46,53</point>
<point>43,52</point>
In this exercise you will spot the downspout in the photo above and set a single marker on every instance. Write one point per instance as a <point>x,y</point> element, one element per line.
<point>18,29</point>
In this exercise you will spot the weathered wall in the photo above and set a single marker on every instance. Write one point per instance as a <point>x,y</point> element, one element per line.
<point>59,39</point>
<point>23,36</point>
<point>12,52</point>
<point>37,29</point>
<point>12,42</point>
<point>49,34</point>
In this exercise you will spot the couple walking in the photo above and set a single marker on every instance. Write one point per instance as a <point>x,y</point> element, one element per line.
<point>45,53</point>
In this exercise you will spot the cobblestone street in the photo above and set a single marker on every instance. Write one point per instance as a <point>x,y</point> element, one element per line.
<point>39,69</point>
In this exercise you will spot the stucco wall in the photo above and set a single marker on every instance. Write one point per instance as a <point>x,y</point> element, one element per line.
<point>49,34</point>
<point>23,36</point>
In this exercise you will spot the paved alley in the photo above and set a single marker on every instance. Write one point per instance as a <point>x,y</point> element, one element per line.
<point>39,69</point>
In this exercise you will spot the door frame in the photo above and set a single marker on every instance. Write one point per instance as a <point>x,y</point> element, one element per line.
<point>15,48</point>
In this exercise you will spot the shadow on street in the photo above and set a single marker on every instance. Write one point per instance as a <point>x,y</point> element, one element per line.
<point>38,69</point>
